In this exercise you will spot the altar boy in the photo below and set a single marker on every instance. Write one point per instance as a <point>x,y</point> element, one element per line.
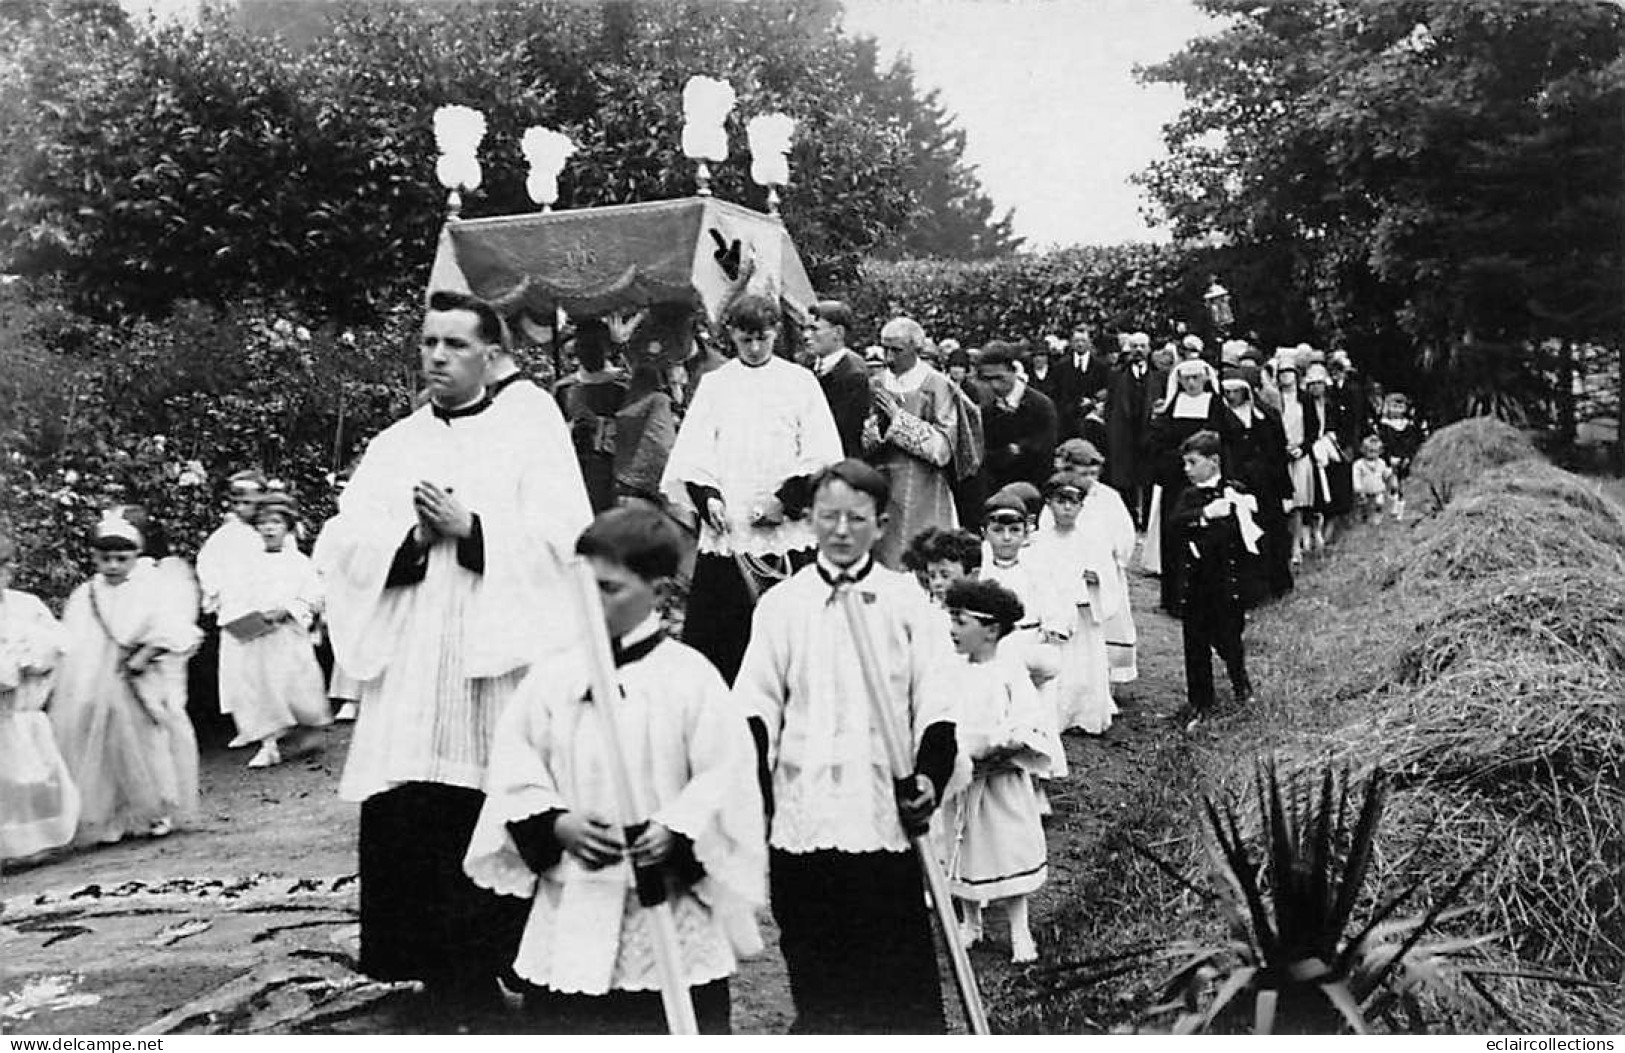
<point>550,829</point>
<point>846,888</point>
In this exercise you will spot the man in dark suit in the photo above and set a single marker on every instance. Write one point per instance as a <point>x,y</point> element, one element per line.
<point>841,372</point>
<point>1018,423</point>
<point>1051,374</point>
<point>1092,367</point>
<point>1131,397</point>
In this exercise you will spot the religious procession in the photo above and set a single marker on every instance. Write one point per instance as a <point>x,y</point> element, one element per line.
<point>679,639</point>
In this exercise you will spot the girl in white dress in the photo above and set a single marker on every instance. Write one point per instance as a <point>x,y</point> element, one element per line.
<point>269,676</point>
<point>995,825</point>
<point>1104,515</point>
<point>1079,564</point>
<point>118,715</point>
<point>39,805</point>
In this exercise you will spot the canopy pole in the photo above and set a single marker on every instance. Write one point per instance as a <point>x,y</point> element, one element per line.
<point>652,885</point>
<point>881,707</point>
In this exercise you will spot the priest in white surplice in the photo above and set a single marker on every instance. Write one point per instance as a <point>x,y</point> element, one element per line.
<point>758,430</point>
<point>444,576</point>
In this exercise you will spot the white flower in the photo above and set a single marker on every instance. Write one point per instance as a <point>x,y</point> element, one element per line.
<point>158,442</point>
<point>347,338</point>
<point>302,333</point>
<point>282,327</point>
<point>70,477</point>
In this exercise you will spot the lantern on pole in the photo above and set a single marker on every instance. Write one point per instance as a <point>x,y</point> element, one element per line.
<point>769,136</point>
<point>1217,299</point>
<point>545,151</point>
<point>706,105</point>
<point>458,131</point>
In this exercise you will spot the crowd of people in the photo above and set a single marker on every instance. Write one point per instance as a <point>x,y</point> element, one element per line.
<point>986,508</point>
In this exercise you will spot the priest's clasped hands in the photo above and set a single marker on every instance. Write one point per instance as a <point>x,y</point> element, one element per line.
<point>440,514</point>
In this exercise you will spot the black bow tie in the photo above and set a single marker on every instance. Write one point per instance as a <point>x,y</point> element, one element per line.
<point>844,577</point>
<point>446,416</point>
<point>634,652</point>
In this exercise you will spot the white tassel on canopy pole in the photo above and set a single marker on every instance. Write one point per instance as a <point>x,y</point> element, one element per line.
<point>458,131</point>
<point>706,105</point>
<point>769,136</point>
<point>545,151</point>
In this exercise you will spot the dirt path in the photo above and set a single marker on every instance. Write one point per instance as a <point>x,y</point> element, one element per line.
<point>246,922</point>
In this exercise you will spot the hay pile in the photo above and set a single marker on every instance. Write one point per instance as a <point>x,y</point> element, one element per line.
<point>1503,722</point>
<point>1558,616</point>
<point>1535,477</point>
<point>1503,726</point>
<point>1487,531</point>
<point>1457,455</point>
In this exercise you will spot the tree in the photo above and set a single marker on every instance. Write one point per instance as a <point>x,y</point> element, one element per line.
<point>143,165</point>
<point>1441,177</point>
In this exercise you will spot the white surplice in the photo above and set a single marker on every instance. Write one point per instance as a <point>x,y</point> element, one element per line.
<point>438,658</point>
<point>693,770</point>
<point>832,780</point>
<point>749,429</point>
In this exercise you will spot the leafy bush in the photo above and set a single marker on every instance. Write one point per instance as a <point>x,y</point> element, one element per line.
<point>1023,297</point>
<point>160,412</point>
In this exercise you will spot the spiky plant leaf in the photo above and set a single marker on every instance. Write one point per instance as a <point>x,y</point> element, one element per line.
<point>1321,864</point>
<point>1443,904</point>
<point>1361,846</point>
<point>1233,985</point>
<point>1338,994</point>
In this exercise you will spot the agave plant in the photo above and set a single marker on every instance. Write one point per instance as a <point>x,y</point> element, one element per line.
<point>1294,956</point>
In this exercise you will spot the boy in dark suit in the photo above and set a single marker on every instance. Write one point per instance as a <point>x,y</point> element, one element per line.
<point>1218,545</point>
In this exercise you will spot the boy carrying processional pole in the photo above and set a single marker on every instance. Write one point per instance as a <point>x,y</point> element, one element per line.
<point>855,755</point>
<point>622,801</point>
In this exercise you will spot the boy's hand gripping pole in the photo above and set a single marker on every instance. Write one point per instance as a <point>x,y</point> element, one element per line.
<point>674,994</point>
<point>902,767</point>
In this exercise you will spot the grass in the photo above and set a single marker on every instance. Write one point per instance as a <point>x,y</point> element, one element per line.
<point>1496,703</point>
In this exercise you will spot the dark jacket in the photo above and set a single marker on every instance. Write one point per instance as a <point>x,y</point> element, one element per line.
<point>1129,401</point>
<point>1217,573</point>
<point>846,389</point>
<point>1257,457</point>
<point>1031,427</point>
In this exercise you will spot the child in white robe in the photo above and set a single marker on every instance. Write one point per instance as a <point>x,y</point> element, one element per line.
<point>994,826</point>
<point>270,681</point>
<point>39,804</point>
<point>1104,515</point>
<point>549,829</point>
<point>1080,565</point>
<point>118,717</point>
<point>1009,559</point>
<point>231,544</point>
